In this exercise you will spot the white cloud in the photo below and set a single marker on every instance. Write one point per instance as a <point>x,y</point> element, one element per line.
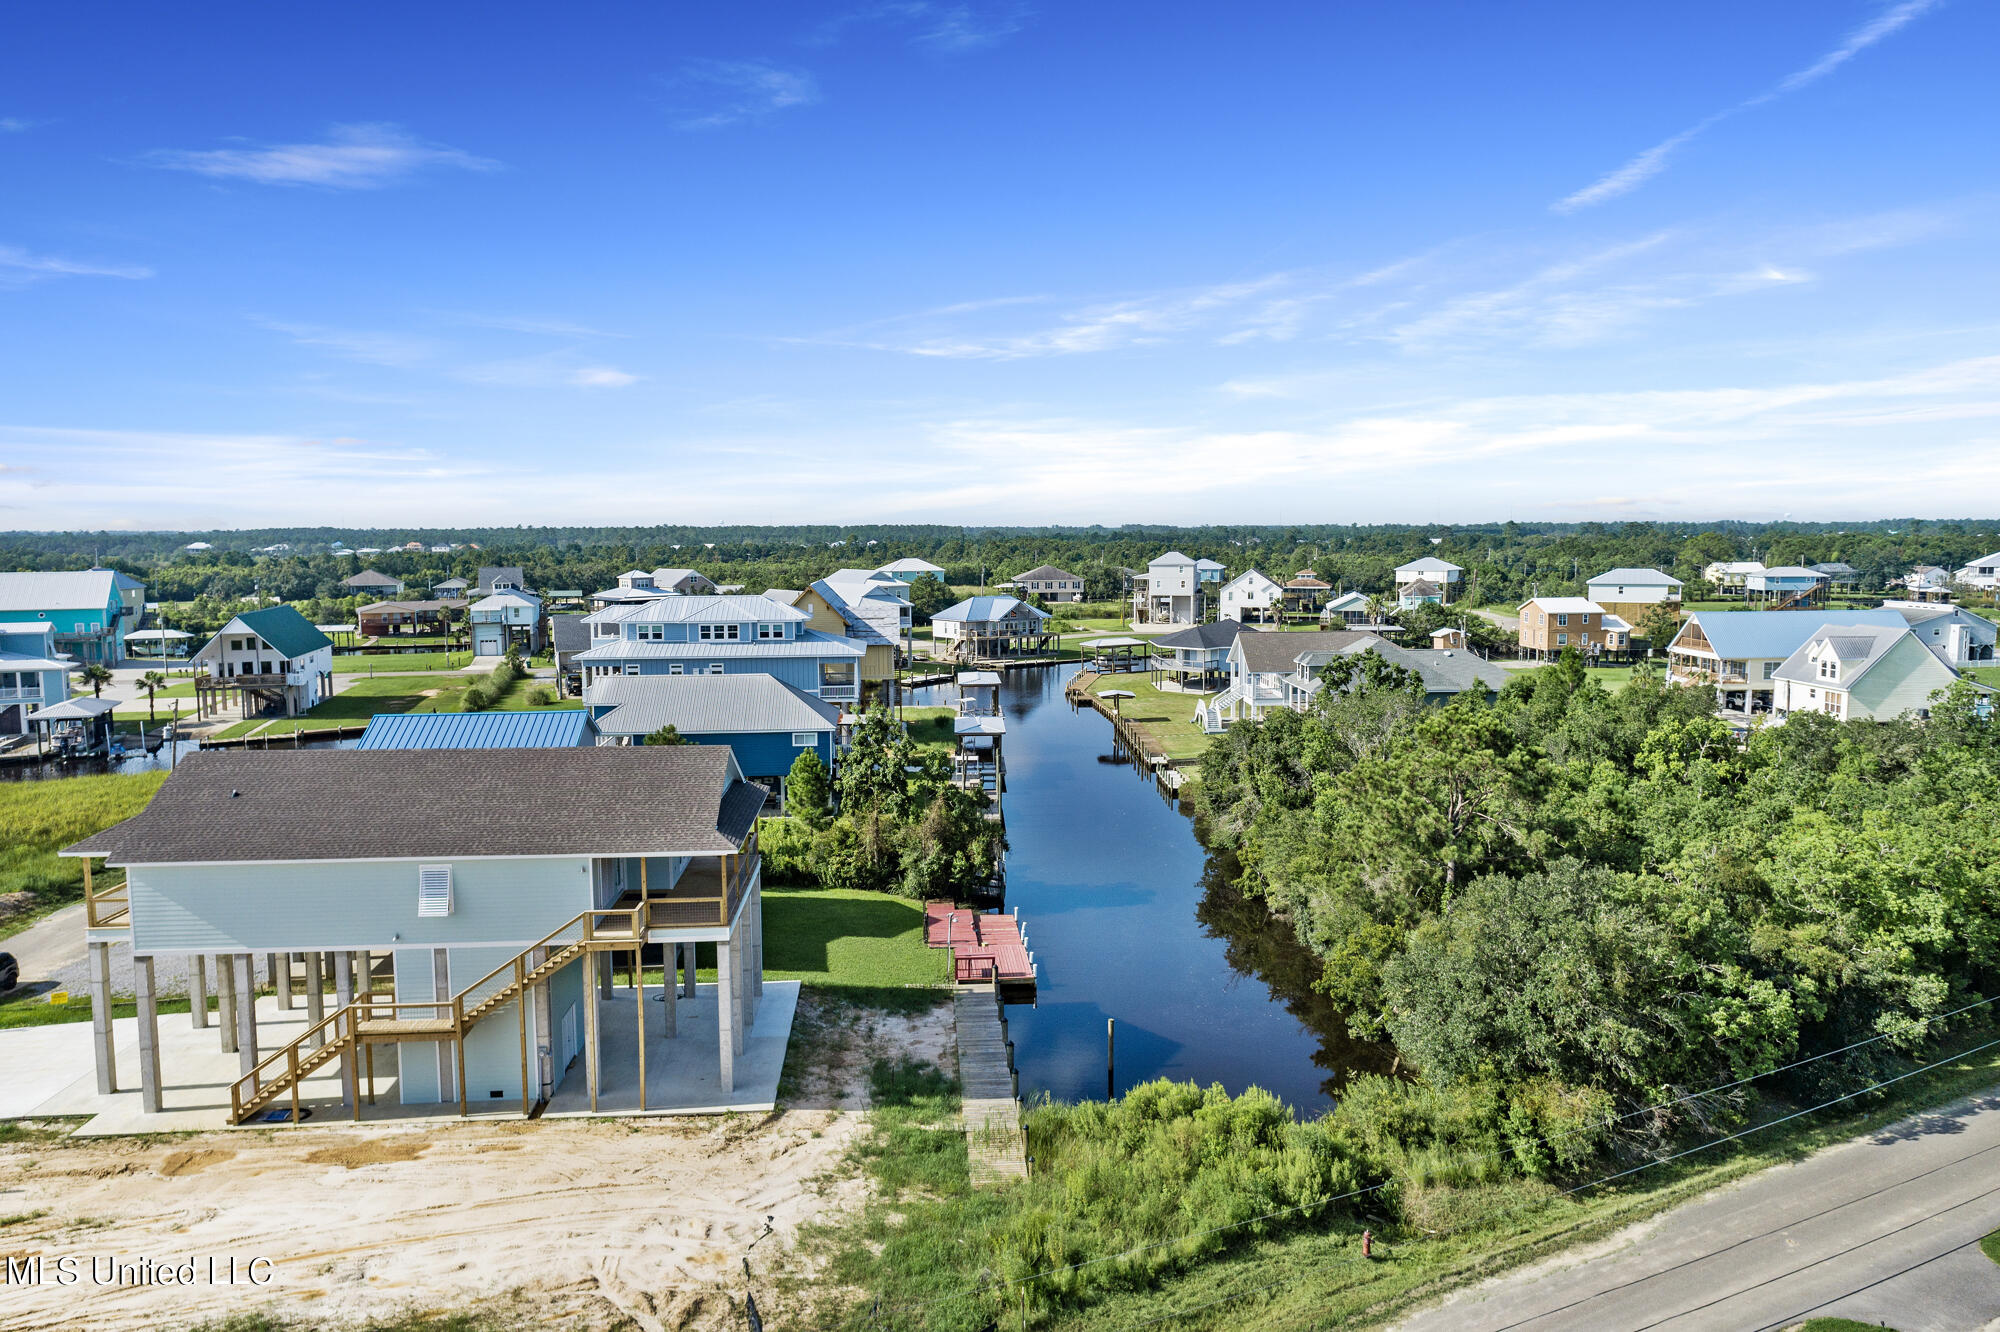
<point>942,27</point>
<point>19,267</point>
<point>1651,162</point>
<point>732,91</point>
<point>15,125</point>
<point>353,157</point>
<point>401,351</point>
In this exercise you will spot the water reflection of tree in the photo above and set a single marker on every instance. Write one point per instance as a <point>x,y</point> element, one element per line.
<point>1257,944</point>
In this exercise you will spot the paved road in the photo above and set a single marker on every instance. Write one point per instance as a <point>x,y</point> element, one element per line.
<point>1880,1229</point>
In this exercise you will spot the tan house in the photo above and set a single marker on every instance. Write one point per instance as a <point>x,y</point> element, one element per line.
<point>1550,624</point>
<point>878,662</point>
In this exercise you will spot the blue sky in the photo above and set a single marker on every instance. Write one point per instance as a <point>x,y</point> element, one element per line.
<point>918,261</point>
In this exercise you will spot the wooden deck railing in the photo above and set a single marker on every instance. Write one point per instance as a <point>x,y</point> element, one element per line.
<point>106,908</point>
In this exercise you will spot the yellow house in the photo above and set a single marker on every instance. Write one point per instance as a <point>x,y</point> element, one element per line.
<point>832,616</point>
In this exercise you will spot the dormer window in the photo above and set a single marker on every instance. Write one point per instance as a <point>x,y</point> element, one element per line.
<point>721,633</point>
<point>1829,668</point>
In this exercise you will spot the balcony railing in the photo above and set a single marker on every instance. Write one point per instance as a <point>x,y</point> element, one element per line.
<point>708,891</point>
<point>849,693</point>
<point>11,693</point>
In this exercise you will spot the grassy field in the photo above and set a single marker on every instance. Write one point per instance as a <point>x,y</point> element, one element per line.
<point>40,818</point>
<point>926,1238</point>
<point>931,727</point>
<point>1166,718</point>
<point>1986,675</point>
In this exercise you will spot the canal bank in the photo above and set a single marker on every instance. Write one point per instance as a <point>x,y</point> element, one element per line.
<point>1134,920</point>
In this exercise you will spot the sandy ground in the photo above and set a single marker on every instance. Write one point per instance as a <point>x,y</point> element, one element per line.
<point>580,1223</point>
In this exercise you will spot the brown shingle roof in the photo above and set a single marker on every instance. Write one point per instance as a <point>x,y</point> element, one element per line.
<point>351,804</point>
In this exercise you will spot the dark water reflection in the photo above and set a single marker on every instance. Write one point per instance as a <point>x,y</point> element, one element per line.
<point>1131,918</point>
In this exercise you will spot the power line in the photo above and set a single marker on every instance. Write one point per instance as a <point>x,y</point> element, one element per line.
<point>1544,1139</point>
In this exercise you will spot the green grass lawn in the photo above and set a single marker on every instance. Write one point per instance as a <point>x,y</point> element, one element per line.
<point>1167,718</point>
<point>356,664</point>
<point>1990,1246</point>
<point>1839,1325</point>
<point>1986,675</point>
<point>41,818</point>
<point>361,700</point>
<point>931,728</point>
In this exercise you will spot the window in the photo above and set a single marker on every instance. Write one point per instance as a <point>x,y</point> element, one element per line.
<point>652,633</point>
<point>802,739</point>
<point>1562,619</point>
<point>1771,669</point>
<point>769,631</point>
<point>631,668</point>
<point>433,890</point>
<point>715,668</point>
<point>1829,669</point>
<point>673,668</point>
<point>721,633</point>
<point>1562,640</point>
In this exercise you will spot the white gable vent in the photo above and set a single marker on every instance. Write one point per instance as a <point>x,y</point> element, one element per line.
<point>433,890</point>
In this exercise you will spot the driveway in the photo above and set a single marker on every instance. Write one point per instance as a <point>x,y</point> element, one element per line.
<point>1881,1229</point>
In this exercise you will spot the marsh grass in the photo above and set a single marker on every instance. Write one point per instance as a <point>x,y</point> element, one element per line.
<point>40,818</point>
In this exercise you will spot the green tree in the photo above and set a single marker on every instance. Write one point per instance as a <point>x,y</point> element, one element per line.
<point>96,677</point>
<point>152,682</point>
<point>668,735</point>
<point>928,596</point>
<point>809,789</point>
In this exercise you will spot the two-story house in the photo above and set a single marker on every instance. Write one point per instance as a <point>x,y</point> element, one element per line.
<point>501,578</point>
<point>1251,595</point>
<point>1442,577</point>
<point>1196,658</point>
<point>31,675</point>
<point>275,658</point>
<point>1983,572</point>
<point>1306,592</point>
<point>876,625</point>
<point>1739,652</point>
<point>1859,673</point>
<point>88,610</point>
<point>372,583</point>
<point>1730,575</point>
<point>1260,666</point>
<point>1793,584</point>
<point>883,601</point>
<point>722,635</point>
<point>1631,593</point>
<point>1955,635</point>
<point>509,618</point>
<point>988,626</point>
<point>1550,624</point>
<point>1050,584</point>
<point>1174,589</point>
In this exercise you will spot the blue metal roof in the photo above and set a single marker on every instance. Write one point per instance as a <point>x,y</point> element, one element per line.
<point>1748,634</point>
<point>557,728</point>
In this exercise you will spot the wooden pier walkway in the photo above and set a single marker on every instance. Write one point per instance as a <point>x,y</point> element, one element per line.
<point>986,947</point>
<point>995,1145</point>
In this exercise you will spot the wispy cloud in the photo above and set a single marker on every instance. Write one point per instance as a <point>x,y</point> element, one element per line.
<point>942,27</point>
<point>733,91</point>
<point>416,352</point>
<point>18,267</point>
<point>352,157</point>
<point>15,125</point>
<point>1651,162</point>
<point>560,328</point>
<point>601,376</point>
<point>399,351</point>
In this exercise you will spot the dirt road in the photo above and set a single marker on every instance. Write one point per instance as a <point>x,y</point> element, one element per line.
<point>585,1223</point>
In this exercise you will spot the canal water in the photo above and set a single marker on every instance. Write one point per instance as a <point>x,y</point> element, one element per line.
<point>1131,918</point>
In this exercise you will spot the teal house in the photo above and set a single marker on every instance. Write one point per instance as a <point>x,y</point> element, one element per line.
<point>88,613</point>
<point>31,676</point>
<point>465,907</point>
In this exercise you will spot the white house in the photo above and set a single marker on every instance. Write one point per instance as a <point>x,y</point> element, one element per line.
<point>1633,587</point>
<point>880,599</point>
<point>1983,572</point>
<point>1957,636</point>
<point>985,626</point>
<point>1350,608</point>
<point>506,619</point>
<point>1440,574</point>
<point>909,570</point>
<point>1786,582</point>
<point>1860,673</point>
<point>1729,575</point>
<point>1739,651</point>
<point>274,655</point>
<point>1173,590</point>
<point>1251,595</point>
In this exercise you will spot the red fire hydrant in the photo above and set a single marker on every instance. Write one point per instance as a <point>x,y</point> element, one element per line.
<point>1367,1244</point>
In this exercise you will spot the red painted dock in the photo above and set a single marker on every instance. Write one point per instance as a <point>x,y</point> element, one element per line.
<point>985,947</point>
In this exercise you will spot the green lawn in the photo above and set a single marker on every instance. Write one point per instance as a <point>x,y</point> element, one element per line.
<point>356,664</point>
<point>932,727</point>
<point>1986,675</point>
<point>1839,1325</point>
<point>364,698</point>
<point>1990,1246</point>
<point>1166,718</point>
<point>41,818</point>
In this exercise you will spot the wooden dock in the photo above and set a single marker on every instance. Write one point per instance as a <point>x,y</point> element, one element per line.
<point>987,948</point>
<point>995,1145</point>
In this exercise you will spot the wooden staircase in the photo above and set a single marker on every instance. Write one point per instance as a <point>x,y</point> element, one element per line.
<point>374,1019</point>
